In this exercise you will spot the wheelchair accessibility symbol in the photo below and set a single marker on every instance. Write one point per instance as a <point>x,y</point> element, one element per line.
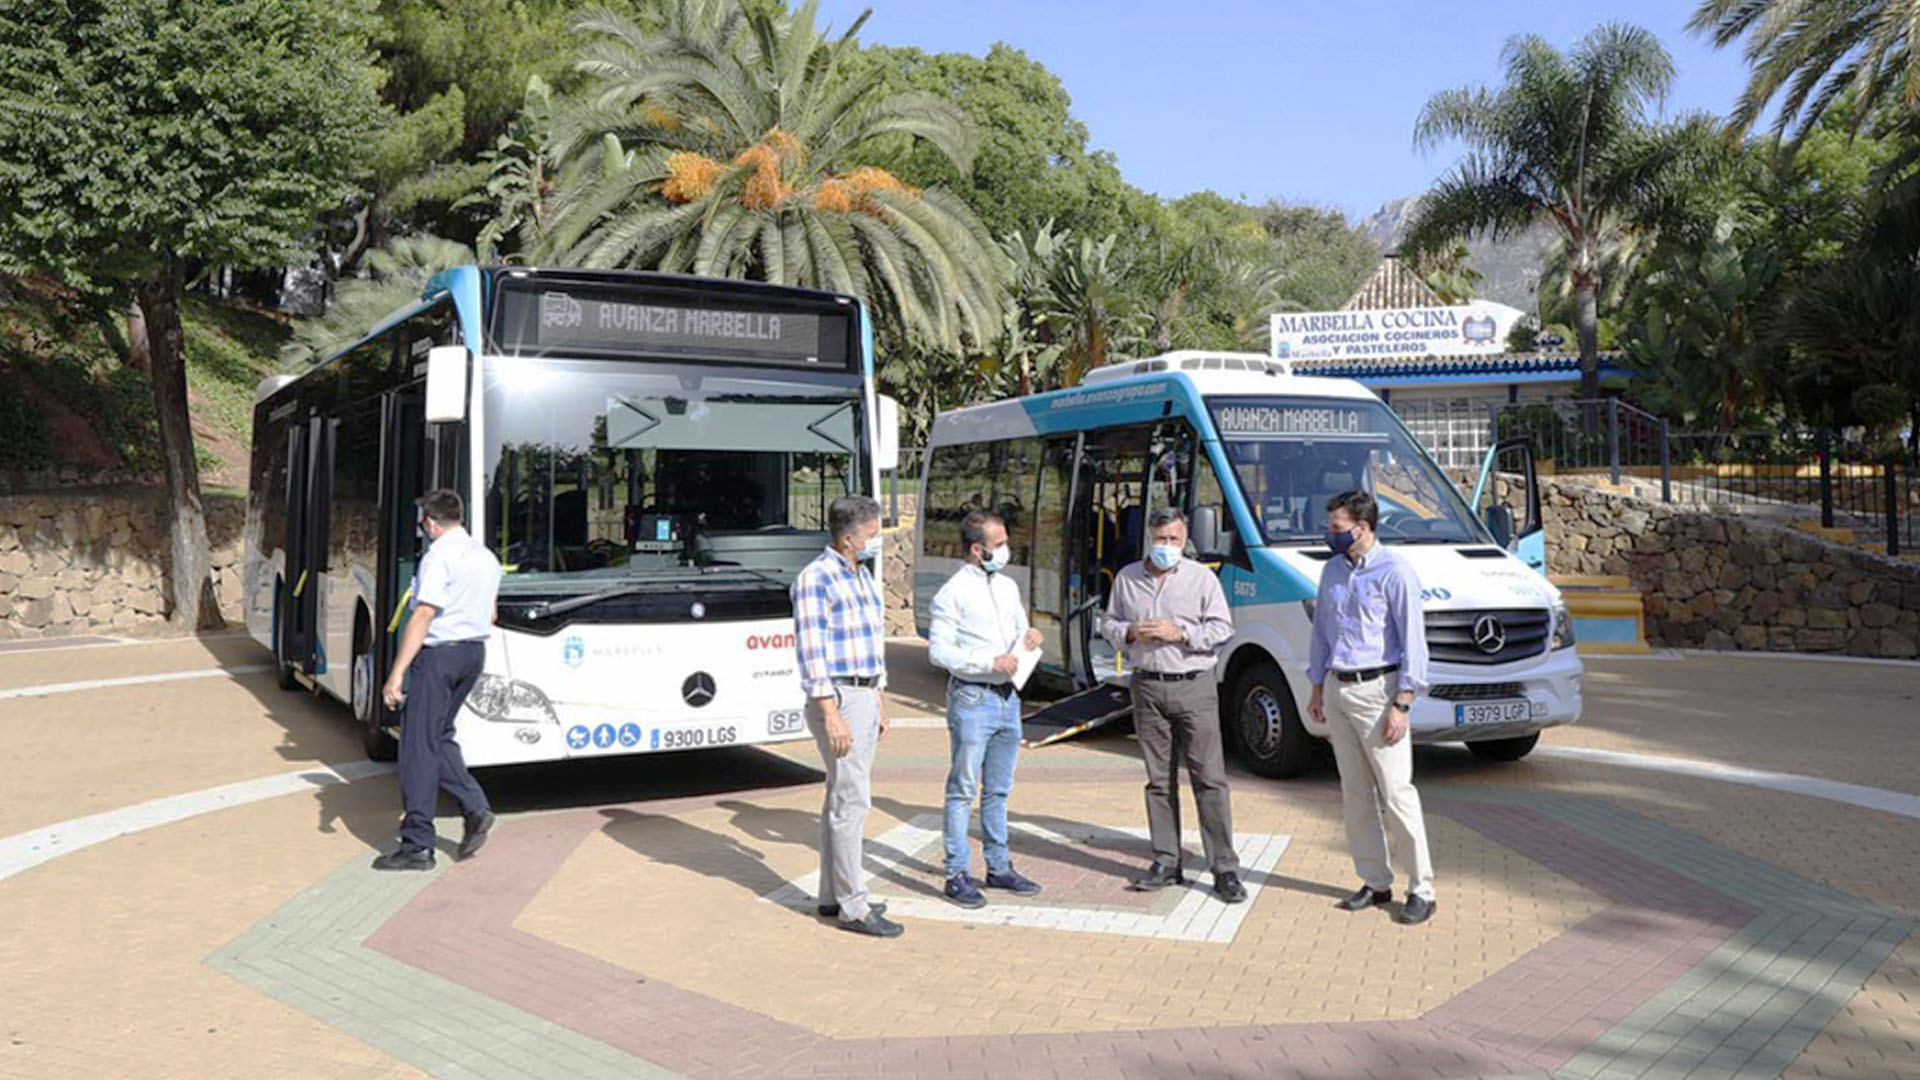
<point>578,738</point>
<point>629,734</point>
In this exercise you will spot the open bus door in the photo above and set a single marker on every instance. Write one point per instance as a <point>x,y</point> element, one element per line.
<point>1507,498</point>
<point>408,466</point>
<point>310,464</point>
<point>1093,544</point>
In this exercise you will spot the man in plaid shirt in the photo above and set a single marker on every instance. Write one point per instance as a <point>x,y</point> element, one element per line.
<point>840,636</point>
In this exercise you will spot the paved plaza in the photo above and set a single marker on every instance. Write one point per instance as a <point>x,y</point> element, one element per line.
<point>1717,874</point>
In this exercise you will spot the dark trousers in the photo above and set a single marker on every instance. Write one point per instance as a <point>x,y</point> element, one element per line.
<point>429,757</point>
<point>1177,720</point>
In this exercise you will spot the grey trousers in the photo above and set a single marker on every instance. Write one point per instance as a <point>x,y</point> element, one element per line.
<point>1178,720</point>
<point>843,815</point>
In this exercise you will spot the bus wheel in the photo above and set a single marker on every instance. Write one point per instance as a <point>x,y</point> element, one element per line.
<point>1504,749</point>
<point>380,746</point>
<point>1263,724</point>
<point>282,667</point>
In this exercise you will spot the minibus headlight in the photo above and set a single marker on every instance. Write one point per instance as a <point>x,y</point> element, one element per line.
<point>502,700</point>
<point>1562,626</point>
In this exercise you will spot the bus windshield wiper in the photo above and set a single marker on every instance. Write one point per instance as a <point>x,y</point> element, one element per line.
<point>547,609</point>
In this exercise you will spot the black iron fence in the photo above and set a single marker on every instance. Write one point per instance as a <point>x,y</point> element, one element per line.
<point>1786,474</point>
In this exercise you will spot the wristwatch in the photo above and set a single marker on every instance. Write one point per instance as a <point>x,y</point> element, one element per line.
<point>1397,707</point>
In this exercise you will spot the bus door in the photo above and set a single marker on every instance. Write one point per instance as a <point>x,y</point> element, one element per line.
<point>309,517</point>
<point>1106,523</point>
<point>1507,499</point>
<point>407,470</point>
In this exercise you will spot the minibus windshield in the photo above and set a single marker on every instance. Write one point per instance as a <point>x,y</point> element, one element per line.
<point>1290,455</point>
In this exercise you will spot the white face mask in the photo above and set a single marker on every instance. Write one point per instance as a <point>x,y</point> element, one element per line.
<point>872,550</point>
<point>996,561</point>
<point>1166,555</point>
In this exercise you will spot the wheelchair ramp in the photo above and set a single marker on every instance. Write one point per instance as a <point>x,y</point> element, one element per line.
<point>1071,716</point>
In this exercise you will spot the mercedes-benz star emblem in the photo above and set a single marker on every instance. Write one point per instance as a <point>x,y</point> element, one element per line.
<point>698,689</point>
<point>1489,634</point>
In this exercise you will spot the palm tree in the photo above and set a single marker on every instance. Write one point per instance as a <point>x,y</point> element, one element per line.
<point>396,276</point>
<point>1811,53</point>
<point>730,139</point>
<point>1565,141</point>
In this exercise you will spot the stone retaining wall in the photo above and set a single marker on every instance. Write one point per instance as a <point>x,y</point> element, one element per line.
<point>897,566</point>
<point>74,564</point>
<point>1727,581</point>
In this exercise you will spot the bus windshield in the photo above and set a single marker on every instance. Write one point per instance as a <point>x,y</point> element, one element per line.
<point>1290,455</point>
<point>597,471</point>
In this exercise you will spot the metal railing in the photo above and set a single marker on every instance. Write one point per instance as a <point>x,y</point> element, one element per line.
<point>1783,473</point>
<point>900,487</point>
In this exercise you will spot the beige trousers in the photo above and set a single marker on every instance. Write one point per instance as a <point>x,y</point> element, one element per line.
<point>1376,786</point>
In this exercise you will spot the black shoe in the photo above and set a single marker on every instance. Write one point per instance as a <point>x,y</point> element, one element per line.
<point>1227,887</point>
<point>875,925</point>
<point>1014,882</point>
<point>1158,876</point>
<point>1416,910</point>
<point>406,858</point>
<point>1365,899</point>
<point>478,825</point>
<point>961,890</point>
<point>832,911</point>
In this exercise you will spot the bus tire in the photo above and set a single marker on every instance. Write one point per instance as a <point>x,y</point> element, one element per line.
<point>282,667</point>
<point>1263,724</point>
<point>1504,749</point>
<point>374,737</point>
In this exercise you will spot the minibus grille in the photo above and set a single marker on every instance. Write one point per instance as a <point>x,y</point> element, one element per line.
<point>1476,691</point>
<point>1487,636</point>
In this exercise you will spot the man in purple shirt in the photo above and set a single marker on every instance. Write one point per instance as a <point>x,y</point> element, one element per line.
<point>1168,614</point>
<point>1369,635</point>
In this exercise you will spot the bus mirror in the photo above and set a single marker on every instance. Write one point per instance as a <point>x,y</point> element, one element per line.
<point>886,432</point>
<point>446,383</point>
<point>1206,531</point>
<point>1500,524</point>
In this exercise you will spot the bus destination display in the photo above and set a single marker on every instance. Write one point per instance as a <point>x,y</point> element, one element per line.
<point>558,319</point>
<point>1297,418</point>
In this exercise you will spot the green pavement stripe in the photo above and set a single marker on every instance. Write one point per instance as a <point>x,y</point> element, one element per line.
<point>309,955</point>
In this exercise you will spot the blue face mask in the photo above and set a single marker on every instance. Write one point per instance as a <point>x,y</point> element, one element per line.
<point>997,560</point>
<point>1340,542</point>
<point>872,550</point>
<point>1166,555</point>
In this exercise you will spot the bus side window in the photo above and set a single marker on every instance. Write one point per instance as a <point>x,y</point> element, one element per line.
<point>959,480</point>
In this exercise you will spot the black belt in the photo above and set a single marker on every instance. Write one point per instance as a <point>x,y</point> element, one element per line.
<point>1365,674</point>
<point>863,681</point>
<point>1166,676</point>
<point>1004,689</point>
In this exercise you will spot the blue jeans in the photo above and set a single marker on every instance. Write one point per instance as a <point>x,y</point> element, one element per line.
<point>983,729</point>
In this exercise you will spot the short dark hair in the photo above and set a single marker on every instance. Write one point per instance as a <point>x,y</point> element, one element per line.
<point>849,512</point>
<point>973,527</point>
<point>1359,506</point>
<point>1165,515</point>
<point>443,505</point>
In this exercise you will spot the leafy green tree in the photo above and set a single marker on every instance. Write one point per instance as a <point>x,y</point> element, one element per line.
<point>1450,274</point>
<point>1325,257</point>
<point>138,136</point>
<point>396,276</point>
<point>1032,163</point>
<point>729,145</point>
<point>1566,140</point>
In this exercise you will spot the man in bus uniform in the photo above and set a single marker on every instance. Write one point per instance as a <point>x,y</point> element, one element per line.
<point>978,626</point>
<point>1369,634</point>
<point>840,640</point>
<point>444,645</point>
<point>1168,614</point>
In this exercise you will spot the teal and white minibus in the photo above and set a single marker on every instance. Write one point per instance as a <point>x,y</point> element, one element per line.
<point>1251,452</point>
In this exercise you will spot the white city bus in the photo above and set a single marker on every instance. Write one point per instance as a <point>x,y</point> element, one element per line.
<point>650,456</point>
<point>1251,452</point>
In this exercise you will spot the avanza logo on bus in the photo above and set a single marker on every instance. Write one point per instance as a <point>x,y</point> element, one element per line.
<point>770,641</point>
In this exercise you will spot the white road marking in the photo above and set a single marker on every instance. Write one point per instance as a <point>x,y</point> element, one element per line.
<point>1747,654</point>
<point>1868,798</point>
<point>131,680</point>
<point>108,641</point>
<point>27,850</point>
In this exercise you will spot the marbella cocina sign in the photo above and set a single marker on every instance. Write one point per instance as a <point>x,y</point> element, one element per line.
<point>1476,329</point>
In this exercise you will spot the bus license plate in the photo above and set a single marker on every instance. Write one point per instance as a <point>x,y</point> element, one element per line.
<point>1490,712</point>
<point>693,738</point>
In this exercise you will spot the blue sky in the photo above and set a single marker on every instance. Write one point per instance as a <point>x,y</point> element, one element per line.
<point>1308,102</point>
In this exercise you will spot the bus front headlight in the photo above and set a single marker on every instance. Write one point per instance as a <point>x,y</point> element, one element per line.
<point>499,699</point>
<point>1562,626</point>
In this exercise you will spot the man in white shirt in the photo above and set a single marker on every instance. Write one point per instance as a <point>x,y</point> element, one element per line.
<point>445,646</point>
<point>979,625</point>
